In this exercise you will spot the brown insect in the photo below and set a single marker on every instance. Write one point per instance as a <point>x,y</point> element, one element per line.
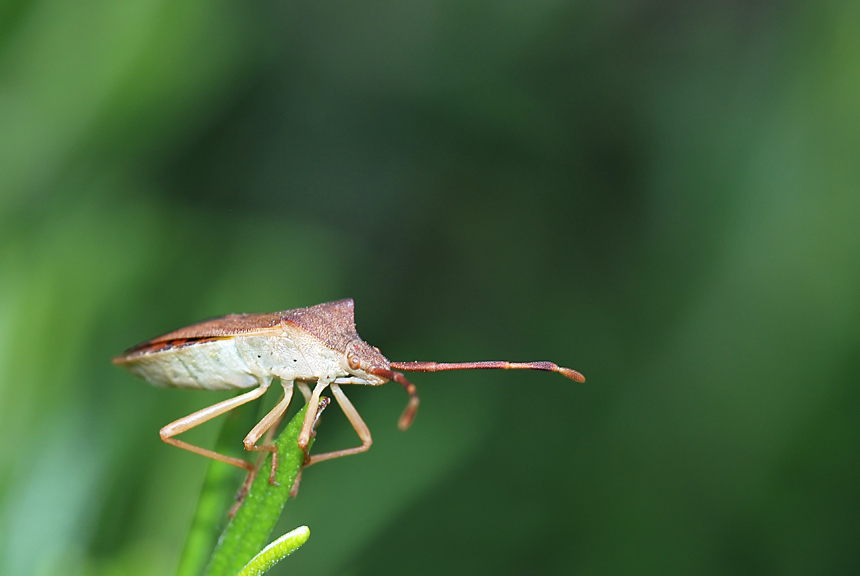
<point>316,345</point>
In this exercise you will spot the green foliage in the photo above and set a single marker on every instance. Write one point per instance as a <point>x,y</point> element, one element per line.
<point>661,195</point>
<point>246,534</point>
<point>218,494</point>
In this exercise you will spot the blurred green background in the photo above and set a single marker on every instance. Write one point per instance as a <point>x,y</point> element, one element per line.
<point>663,196</point>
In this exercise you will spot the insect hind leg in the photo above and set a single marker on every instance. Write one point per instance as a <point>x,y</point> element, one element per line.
<point>193,420</point>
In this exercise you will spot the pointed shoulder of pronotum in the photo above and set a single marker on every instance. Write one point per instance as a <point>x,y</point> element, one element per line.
<point>332,323</point>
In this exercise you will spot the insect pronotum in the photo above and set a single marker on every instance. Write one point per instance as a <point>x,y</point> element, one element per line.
<point>317,345</point>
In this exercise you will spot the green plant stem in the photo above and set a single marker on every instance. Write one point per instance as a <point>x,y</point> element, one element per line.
<point>247,533</point>
<point>276,551</point>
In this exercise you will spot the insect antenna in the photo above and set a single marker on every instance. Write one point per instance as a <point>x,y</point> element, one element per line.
<point>488,365</point>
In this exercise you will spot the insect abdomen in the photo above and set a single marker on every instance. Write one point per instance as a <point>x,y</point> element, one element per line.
<point>212,365</point>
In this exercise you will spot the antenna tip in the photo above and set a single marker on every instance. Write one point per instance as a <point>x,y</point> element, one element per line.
<point>572,374</point>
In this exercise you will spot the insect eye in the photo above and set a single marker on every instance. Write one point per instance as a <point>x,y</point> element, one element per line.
<point>353,361</point>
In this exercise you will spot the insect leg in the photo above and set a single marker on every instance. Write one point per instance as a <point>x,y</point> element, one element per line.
<point>305,390</point>
<point>360,427</point>
<point>268,421</point>
<point>188,422</point>
<point>310,417</point>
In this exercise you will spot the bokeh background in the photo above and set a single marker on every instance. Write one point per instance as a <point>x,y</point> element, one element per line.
<point>662,195</point>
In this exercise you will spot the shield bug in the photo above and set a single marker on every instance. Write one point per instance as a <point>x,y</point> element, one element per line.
<point>316,346</point>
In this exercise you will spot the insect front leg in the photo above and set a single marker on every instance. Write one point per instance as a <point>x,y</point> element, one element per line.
<point>310,416</point>
<point>360,428</point>
<point>352,414</point>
